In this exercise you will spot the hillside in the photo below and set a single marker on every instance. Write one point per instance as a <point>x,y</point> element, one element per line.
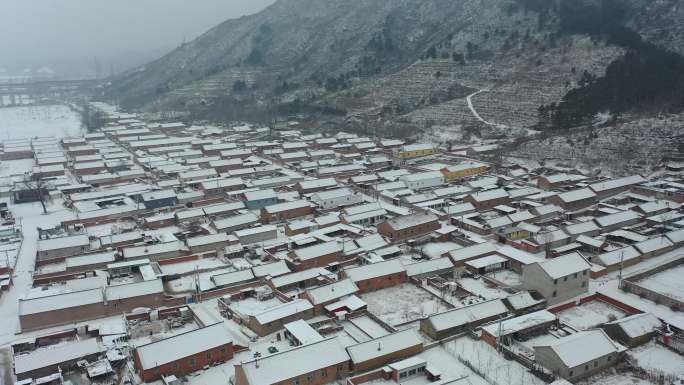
<point>453,67</point>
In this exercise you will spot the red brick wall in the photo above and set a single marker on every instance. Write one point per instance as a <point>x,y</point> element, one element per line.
<point>321,261</point>
<point>597,297</point>
<point>289,232</point>
<point>382,282</point>
<point>160,224</point>
<point>285,215</point>
<point>487,204</point>
<point>184,365</point>
<point>386,230</point>
<point>89,171</point>
<point>361,379</point>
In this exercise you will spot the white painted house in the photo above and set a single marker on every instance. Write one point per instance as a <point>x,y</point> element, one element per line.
<point>422,180</point>
<point>331,199</point>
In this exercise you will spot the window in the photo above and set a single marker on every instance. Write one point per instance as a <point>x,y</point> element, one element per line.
<point>208,355</point>
<point>192,362</point>
<point>584,272</point>
<point>295,382</point>
<point>610,358</point>
<point>309,377</point>
<point>574,275</point>
<point>223,350</point>
<point>584,283</point>
<point>402,375</point>
<point>176,366</point>
<point>555,282</point>
<point>339,368</point>
<point>565,279</point>
<point>412,372</point>
<point>586,367</point>
<point>570,374</point>
<point>324,373</point>
<point>554,293</point>
<point>595,363</point>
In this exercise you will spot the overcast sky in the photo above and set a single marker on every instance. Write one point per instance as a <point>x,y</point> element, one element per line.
<point>69,34</point>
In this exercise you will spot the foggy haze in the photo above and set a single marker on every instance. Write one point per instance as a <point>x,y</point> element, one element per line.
<point>76,38</point>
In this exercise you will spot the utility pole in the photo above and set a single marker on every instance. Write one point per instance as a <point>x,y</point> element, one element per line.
<point>198,288</point>
<point>622,262</point>
<point>257,355</point>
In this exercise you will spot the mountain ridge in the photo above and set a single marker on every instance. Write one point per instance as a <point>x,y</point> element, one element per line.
<point>381,63</point>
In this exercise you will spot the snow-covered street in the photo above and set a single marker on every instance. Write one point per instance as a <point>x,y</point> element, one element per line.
<point>31,216</point>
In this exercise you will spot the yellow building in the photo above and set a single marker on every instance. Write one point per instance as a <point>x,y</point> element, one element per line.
<point>463,170</point>
<point>512,234</point>
<point>415,151</point>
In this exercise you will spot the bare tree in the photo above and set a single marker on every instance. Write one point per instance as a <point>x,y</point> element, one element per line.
<point>35,188</point>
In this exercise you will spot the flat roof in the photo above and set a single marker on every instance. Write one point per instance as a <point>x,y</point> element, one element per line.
<point>382,346</point>
<point>55,354</point>
<point>63,242</point>
<point>296,362</point>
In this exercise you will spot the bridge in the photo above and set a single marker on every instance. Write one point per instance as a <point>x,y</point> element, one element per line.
<point>32,92</point>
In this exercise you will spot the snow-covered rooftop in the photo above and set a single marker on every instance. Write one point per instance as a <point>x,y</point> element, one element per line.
<point>383,346</point>
<point>182,345</point>
<point>579,348</point>
<point>565,265</point>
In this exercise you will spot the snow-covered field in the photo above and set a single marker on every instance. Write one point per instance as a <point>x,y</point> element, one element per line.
<point>15,167</point>
<point>487,360</point>
<point>667,282</point>
<point>481,287</point>
<point>657,357</point>
<point>507,277</point>
<point>32,121</point>
<point>369,326</point>
<point>590,315</point>
<point>614,379</point>
<point>400,304</point>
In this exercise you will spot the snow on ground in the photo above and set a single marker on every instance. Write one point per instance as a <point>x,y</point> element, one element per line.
<point>654,356</point>
<point>666,282</point>
<point>481,287</point>
<point>506,277</point>
<point>436,249</point>
<point>403,303</point>
<point>612,378</point>
<point>453,298</point>
<point>487,360</point>
<point>369,326</point>
<point>590,314</point>
<point>10,251</point>
<point>444,361</point>
<point>661,311</point>
<point>30,215</point>
<point>32,121</point>
<point>15,167</point>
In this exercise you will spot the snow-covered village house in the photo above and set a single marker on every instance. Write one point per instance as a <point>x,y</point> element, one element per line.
<point>409,226</point>
<point>332,199</point>
<point>376,276</point>
<point>318,363</point>
<point>558,279</point>
<point>183,353</point>
<point>579,355</point>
